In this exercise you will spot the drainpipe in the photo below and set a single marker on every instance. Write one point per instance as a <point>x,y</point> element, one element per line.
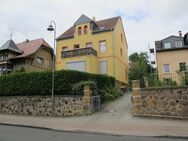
<point>113,54</point>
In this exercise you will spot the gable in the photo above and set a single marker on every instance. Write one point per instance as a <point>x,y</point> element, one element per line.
<point>82,20</point>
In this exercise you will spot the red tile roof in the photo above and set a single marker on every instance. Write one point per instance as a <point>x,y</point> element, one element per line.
<point>30,47</point>
<point>102,25</point>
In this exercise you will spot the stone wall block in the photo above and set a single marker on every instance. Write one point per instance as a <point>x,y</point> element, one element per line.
<point>43,106</point>
<point>166,101</point>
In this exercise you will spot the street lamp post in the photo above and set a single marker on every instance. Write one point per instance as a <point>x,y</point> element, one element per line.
<point>51,28</point>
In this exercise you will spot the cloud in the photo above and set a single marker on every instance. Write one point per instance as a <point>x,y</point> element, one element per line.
<point>144,21</point>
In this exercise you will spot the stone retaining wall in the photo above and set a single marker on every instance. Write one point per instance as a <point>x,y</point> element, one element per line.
<point>165,101</point>
<point>43,105</point>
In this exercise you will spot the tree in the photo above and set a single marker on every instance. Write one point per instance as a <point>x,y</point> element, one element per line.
<point>139,67</point>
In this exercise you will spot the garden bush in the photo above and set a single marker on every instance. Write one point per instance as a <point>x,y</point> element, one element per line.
<point>78,88</point>
<point>39,83</point>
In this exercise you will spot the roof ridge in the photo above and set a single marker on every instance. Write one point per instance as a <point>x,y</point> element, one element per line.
<point>30,40</point>
<point>108,19</point>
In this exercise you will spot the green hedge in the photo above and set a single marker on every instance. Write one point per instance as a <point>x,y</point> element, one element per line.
<point>39,83</point>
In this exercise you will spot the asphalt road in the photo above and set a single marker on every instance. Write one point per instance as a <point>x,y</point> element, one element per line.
<point>14,133</point>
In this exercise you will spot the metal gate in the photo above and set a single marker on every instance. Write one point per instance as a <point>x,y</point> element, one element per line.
<point>96,103</point>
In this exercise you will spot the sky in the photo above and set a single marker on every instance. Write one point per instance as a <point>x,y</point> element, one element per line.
<point>144,21</point>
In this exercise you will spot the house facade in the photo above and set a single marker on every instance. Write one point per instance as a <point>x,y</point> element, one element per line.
<point>96,47</point>
<point>172,57</point>
<point>29,56</point>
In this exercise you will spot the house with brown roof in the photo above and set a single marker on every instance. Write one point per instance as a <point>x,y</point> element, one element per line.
<point>93,46</point>
<point>29,56</point>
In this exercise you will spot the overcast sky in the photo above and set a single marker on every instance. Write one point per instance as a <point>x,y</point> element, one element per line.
<point>144,20</point>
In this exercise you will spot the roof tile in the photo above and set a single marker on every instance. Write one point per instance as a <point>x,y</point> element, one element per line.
<point>102,25</point>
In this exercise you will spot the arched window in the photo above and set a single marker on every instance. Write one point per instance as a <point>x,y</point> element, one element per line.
<point>79,30</point>
<point>85,29</point>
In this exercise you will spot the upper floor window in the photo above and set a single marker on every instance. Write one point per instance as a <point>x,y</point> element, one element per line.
<point>166,68</point>
<point>182,66</point>
<point>167,45</point>
<point>79,30</point>
<point>76,46</point>
<point>88,45</point>
<point>3,58</point>
<point>102,46</point>
<point>121,51</point>
<point>85,29</point>
<point>39,60</point>
<point>121,37</point>
<point>178,43</point>
<point>64,48</point>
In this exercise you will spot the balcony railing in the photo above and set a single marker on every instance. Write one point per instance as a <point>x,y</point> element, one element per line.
<point>78,52</point>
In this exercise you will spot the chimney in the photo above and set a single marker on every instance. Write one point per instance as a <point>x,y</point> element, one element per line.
<point>93,18</point>
<point>27,40</point>
<point>180,33</point>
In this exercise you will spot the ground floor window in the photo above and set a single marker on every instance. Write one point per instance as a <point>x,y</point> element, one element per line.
<point>79,66</point>
<point>166,68</point>
<point>103,67</point>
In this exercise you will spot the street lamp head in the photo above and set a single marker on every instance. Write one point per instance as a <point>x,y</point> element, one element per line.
<point>50,28</point>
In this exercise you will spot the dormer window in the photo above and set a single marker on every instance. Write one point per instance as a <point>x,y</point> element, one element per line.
<point>178,43</point>
<point>85,29</point>
<point>79,30</point>
<point>167,45</point>
<point>102,27</point>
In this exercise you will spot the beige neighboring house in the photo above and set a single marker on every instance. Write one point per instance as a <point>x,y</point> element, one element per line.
<point>34,55</point>
<point>172,56</point>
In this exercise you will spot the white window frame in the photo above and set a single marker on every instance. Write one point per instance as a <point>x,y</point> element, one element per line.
<point>167,45</point>
<point>89,45</point>
<point>178,44</point>
<point>65,48</point>
<point>102,46</point>
<point>40,60</point>
<point>100,69</point>
<point>164,71</point>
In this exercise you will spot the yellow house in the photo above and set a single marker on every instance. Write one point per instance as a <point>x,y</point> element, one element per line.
<point>172,57</point>
<point>92,46</point>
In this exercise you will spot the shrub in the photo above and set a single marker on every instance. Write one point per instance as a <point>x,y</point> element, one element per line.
<point>39,83</point>
<point>78,88</point>
<point>111,93</point>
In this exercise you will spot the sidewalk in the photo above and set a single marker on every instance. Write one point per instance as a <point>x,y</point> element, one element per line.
<point>114,119</point>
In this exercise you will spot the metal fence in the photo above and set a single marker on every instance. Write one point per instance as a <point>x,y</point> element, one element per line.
<point>96,103</point>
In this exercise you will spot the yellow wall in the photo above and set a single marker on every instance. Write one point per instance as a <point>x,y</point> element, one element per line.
<point>173,58</point>
<point>121,61</point>
<point>116,64</point>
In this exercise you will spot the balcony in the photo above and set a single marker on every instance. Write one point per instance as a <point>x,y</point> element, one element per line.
<point>78,52</point>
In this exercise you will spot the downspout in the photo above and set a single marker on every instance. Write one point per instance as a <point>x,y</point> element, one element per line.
<point>113,53</point>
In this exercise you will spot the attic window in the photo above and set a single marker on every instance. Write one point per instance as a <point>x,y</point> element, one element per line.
<point>85,29</point>
<point>79,30</point>
<point>102,27</point>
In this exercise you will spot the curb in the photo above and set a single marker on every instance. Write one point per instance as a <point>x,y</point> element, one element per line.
<point>161,116</point>
<point>92,132</point>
